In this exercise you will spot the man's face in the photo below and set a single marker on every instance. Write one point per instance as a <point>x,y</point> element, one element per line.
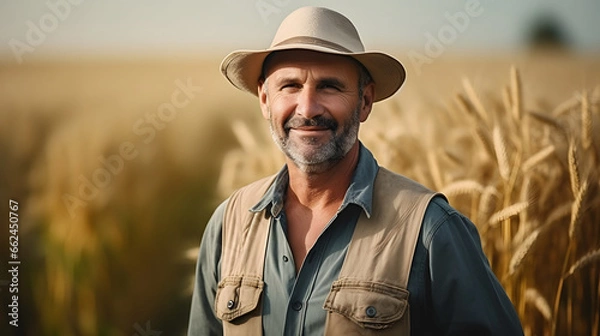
<point>312,102</point>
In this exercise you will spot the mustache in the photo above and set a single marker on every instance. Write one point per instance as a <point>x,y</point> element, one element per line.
<point>318,121</point>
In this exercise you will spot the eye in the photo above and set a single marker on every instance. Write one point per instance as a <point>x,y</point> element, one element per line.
<point>330,87</point>
<point>289,86</point>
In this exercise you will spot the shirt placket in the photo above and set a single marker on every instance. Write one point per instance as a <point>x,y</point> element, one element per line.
<point>304,284</point>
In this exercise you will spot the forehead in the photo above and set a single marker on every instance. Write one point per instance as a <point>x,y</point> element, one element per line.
<point>310,60</point>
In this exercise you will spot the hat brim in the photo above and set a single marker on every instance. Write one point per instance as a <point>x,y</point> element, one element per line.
<point>243,68</point>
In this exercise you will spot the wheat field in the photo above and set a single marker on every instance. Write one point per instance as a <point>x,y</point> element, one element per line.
<point>117,165</point>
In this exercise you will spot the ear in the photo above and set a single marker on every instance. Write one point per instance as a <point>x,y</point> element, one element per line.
<point>262,98</point>
<point>367,101</point>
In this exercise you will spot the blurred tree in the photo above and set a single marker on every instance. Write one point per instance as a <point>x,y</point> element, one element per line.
<point>547,32</point>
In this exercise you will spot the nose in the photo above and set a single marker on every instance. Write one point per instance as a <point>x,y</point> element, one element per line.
<point>308,104</point>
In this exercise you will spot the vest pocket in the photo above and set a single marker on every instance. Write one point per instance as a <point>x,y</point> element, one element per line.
<point>371,305</point>
<point>237,296</point>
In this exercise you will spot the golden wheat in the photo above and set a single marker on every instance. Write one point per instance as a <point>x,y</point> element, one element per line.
<point>508,212</point>
<point>136,230</point>
<point>522,251</point>
<point>586,121</point>
<point>574,173</point>
<point>515,93</point>
<point>470,91</point>
<point>538,157</point>
<point>587,259</point>
<point>462,187</point>
<point>501,153</point>
<point>577,209</point>
<point>534,297</point>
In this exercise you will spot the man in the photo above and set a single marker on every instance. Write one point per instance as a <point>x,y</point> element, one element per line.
<point>334,244</point>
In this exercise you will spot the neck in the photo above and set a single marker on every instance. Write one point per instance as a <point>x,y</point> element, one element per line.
<point>323,189</point>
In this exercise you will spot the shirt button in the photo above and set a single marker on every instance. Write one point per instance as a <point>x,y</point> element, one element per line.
<point>297,306</point>
<point>285,259</point>
<point>230,304</point>
<point>371,311</point>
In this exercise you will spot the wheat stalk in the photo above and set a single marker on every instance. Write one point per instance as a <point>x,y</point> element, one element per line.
<point>573,168</point>
<point>508,212</point>
<point>538,157</point>
<point>584,261</point>
<point>538,301</point>
<point>501,153</point>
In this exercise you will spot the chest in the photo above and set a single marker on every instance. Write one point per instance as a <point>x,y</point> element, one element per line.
<point>304,228</point>
<point>297,296</point>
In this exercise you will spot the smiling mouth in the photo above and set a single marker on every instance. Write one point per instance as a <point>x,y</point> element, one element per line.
<point>310,130</point>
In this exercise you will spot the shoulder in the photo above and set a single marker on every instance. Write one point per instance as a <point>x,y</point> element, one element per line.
<point>443,222</point>
<point>252,193</point>
<point>400,183</point>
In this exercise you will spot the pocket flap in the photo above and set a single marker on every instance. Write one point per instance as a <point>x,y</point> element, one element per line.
<point>371,305</point>
<point>237,296</point>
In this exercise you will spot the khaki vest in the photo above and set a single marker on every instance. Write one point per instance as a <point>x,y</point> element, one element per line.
<point>368,298</point>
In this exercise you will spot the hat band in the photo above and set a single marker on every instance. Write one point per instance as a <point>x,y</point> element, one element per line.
<point>313,41</point>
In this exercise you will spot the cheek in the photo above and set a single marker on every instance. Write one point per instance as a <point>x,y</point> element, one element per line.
<point>281,108</point>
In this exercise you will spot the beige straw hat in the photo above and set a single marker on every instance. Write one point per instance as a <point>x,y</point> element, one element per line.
<point>318,29</point>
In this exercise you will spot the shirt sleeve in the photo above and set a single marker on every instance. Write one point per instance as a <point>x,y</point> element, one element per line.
<point>203,320</point>
<point>466,297</point>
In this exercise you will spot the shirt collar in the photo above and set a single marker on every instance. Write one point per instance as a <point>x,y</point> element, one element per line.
<point>360,191</point>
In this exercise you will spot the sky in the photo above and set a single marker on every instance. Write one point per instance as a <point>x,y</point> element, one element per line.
<point>114,27</point>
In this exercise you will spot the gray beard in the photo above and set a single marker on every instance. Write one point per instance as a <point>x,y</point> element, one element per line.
<point>325,157</point>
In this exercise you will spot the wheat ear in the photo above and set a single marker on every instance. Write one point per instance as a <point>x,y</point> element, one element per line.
<point>506,99</point>
<point>508,212</point>
<point>539,302</point>
<point>462,187</point>
<point>577,209</point>
<point>584,261</point>
<point>475,99</point>
<point>573,168</point>
<point>586,121</point>
<point>537,158</point>
<point>565,107</point>
<point>516,93</point>
<point>501,153</point>
<point>487,203</point>
<point>522,251</point>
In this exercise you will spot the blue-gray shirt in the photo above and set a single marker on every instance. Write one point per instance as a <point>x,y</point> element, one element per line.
<point>452,289</point>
